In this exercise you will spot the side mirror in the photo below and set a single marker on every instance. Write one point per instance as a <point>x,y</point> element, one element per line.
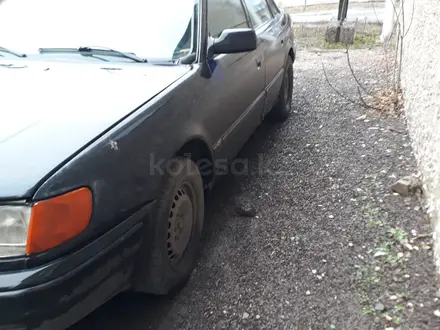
<point>235,41</point>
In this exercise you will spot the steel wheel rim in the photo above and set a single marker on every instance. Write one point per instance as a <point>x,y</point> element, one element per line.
<point>180,222</point>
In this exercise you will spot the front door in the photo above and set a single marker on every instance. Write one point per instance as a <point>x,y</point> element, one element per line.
<point>235,91</point>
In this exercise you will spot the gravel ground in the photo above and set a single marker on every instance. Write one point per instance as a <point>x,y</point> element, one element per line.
<point>320,184</point>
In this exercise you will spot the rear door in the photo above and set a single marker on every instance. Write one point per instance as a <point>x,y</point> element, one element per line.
<point>270,25</point>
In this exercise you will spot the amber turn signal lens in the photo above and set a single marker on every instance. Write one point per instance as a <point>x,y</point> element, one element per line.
<point>59,219</point>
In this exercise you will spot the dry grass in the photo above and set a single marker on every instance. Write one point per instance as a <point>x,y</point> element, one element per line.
<point>389,102</point>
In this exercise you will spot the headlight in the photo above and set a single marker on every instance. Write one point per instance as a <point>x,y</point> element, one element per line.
<point>14,225</point>
<point>27,230</point>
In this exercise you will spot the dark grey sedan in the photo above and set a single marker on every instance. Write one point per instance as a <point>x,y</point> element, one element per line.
<point>116,119</point>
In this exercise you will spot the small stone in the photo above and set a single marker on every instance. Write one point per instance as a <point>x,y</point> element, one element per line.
<point>257,316</point>
<point>410,305</point>
<point>314,271</point>
<point>408,246</point>
<point>406,276</point>
<point>350,244</point>
<point>437,294</point>
<point>389,328</point>
<point>408,185</point>
<point>379,307</point>
<point>380,254</point>
<point>377,268</point>
<point>437,313</point>
<point>402,187</point>
<point>245,315</point>
<point>324,261</point>
<point>417,208</point>
<point>307,293</point>
<point>388,318</point>
<point>361,117</point>
<point>331,216</point>
<point>393,297</point>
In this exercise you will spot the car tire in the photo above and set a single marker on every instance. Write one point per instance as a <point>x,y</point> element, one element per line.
<point>172,237</point>
<point>283,106</point>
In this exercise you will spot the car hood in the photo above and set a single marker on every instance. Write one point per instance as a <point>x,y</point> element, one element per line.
<point>48,111</point>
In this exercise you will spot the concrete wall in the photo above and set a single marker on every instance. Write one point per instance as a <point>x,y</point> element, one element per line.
<point>421,86</point>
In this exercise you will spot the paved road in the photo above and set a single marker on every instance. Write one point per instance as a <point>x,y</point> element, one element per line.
<point>372,13</point>
<point>294,3</point>
<point>310,180</point>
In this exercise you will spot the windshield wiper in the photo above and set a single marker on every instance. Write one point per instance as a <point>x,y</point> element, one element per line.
<point>5,50</point>
<point>96,50</point>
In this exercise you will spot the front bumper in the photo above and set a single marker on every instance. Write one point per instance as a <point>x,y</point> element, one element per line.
<point>56,295</point>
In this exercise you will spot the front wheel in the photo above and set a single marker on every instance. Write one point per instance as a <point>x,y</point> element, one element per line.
<point>172,239</point>
<point>283,107</point>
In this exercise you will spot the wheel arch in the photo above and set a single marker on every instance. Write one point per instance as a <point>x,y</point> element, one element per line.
<point>292,54</point>
<point>200,153</point>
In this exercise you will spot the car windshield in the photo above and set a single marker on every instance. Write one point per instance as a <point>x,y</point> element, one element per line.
<point>154,30</point>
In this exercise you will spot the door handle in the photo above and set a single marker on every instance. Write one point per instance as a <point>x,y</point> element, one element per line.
<point>259,60</point>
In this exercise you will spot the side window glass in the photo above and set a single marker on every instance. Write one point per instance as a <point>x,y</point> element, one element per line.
<point>225,14</point>
<point>273,7</point>
<point>258,11</point>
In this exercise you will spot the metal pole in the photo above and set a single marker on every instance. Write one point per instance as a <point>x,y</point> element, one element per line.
<point>342,10</point>
<point>342,15</point>
<point>341,3</point>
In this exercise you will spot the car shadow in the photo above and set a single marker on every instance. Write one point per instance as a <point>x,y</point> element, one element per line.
<point>136,311</point>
